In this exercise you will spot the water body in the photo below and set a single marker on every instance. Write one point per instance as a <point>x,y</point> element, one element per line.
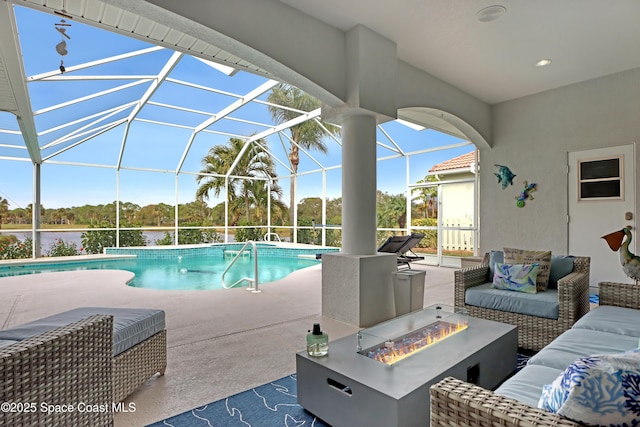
<point>49,237</point>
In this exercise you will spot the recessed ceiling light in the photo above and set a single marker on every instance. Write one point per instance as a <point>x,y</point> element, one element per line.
<point>543,63</point>
<point>491,13</point>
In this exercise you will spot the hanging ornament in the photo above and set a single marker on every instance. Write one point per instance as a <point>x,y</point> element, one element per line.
<point>61,48</point>
<point>61,27</point>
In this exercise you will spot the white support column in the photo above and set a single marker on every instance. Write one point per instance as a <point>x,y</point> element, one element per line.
<point>324,208</point>
<point>269,208</point>
<point>357,283</point>
<point>117,208</point>
<point>175,215</point>
<point>408,193</point>
<point>35,212</point>
<point>359,185</point>
<point>226,209</point>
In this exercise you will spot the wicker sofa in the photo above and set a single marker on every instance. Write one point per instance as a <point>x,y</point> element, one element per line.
<point>69,364</point>
<point>137,351</point>
<point>608,329</point>
<point>534,332</point>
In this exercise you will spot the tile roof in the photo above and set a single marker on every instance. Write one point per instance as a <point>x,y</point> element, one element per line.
<point>463,161</point>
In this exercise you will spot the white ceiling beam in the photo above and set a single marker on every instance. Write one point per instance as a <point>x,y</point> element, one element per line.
<point>11,56</point>
<point>95,132</point>
<point>176,107</point>
<point>76,77</point>
<point>276,158</point>
<point>86,65</point>
<point>292,142</point>
<point>160,78</point>
<point>17,147</point>
<point>85,118</point>
<point>201,87</point>
<point>300,119</point>
<point>81,130</point>
<point>264,87</point>
<point>88,97</point>
<point>157,122</point>
<point>398,149</point>
<point>331,135</point>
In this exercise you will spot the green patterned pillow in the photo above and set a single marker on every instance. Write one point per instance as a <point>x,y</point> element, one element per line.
<point>516,277</point>
<point>542,258</point>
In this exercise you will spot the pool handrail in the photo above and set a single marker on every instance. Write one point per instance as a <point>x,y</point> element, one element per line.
<point>253,283</point>
<point>269,236</point>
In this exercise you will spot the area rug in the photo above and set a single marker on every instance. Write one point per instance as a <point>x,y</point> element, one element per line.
<point>269,405</point>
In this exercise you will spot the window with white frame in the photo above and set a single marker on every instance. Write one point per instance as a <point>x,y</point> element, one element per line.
<point>600,179</point>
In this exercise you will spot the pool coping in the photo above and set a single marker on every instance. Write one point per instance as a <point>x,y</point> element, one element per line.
<point>113,256</point>
<point>61,259</point>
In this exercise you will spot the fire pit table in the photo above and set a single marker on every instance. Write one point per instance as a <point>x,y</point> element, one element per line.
<point>381,375</point>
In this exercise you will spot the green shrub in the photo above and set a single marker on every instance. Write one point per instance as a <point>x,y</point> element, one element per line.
<point>430,239</point>
<point>306,235</point>
<point>246,234</point>
<point>17,250</point>
<point>61,248</point>
<point>94,241</point>
<point>8,240</point>
<point>191,236</point>
<point>334,238</point>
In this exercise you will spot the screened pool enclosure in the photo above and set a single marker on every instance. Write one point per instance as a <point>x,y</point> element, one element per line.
<point>106,128</point>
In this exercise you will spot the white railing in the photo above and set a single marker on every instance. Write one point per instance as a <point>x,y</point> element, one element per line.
<point>457,235</point>
<point>253,283</point>
<point>269,237</point>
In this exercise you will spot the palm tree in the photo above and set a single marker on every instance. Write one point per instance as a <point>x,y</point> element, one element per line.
<point>392,210</point>
<point>427,196</point>
<point>307,135</point>
<point>4,209</point>
<point>254,163</point>
<point>259,199</point>
<point>30,211</point>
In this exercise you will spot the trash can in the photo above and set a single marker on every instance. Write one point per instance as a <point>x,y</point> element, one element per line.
<point>408,290</point>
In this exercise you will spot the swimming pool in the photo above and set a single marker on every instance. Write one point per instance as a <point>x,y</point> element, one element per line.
<point>198,268</point>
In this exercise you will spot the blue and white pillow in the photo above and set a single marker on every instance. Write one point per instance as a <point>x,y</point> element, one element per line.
<point>597,390</point>
<point>516,277</point>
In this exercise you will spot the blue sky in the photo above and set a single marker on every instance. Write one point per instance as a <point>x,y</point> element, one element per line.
<point>151,146</point>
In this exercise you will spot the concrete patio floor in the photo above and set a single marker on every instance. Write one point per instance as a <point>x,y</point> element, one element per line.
<point>220,342</point>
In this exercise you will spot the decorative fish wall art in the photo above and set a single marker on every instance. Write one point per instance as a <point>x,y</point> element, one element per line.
<point>505,176</point>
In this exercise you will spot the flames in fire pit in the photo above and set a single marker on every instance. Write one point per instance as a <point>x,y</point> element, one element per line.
<point>397,349</point>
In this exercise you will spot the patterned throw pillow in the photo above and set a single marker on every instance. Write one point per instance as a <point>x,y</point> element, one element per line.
<point>518,277</point>
<point>542,258</point>
<point>597,390</point>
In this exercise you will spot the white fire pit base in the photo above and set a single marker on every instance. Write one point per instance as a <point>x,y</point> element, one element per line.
<point>345,388</point>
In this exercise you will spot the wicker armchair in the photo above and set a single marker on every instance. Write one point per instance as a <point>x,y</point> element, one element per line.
<point>458,403</point>
<point>65,366</point>
<point>533,332</point>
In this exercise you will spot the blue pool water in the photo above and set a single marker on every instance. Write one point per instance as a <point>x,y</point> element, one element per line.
<point>182,272</point>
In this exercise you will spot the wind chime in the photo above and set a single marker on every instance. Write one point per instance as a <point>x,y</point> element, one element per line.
<point>61,27</point>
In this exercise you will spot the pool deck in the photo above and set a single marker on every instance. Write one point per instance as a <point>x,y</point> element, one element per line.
<point>220,342</point>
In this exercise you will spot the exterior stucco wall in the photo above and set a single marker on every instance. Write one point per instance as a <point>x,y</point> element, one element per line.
<point>532,136</point>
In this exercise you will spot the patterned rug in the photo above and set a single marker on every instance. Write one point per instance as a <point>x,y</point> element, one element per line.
<point>269,405</point>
